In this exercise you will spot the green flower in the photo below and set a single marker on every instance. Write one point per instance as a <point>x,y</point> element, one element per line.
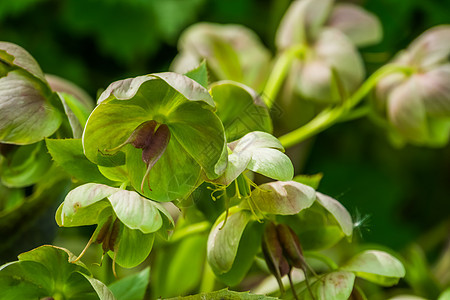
<point>163,128</point>
<point>417,105</point>
<point>330,64</point>
<point>233,52</point>
<point>29,110</point>
<point>127,222</point>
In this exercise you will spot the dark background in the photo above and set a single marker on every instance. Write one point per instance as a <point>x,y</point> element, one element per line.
<point>404,192</point>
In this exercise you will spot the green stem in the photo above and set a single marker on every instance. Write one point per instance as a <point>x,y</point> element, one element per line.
<point>208,279</point>
<point>279,72</point>
<point>189,230</point>
<point>330,116</point>
<point>325,259</point>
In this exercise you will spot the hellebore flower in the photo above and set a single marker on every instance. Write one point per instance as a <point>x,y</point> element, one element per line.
<point>417,104</point>
<point>330,64</point>
<point>232,52</point>
<point>29,110</point>
<point>171,118</point>
<point>127,222</point>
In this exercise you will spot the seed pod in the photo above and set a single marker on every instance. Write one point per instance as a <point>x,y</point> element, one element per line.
<point>114,234</point>
<point>291,246</point>
<point>273,254</point>
<point>103,231</point>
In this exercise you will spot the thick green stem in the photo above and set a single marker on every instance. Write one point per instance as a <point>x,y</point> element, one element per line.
<point>279,72</point>
<point>208,279</point>
<point>330,116</point>
<point>190,230</point>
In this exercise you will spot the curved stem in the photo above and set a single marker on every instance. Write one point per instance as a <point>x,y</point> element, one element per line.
<point>189,230</point>
<point>330,116</point>
<point>279,72</point>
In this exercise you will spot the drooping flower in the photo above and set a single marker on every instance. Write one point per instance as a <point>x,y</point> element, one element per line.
<point>330,64</point>
<point>233,52</point>
<point>29,109</point>
<point>163,128</point>
<point>417,104</point>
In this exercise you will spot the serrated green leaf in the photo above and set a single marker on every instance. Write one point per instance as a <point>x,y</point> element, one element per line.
<point>225,294</point>
<point>376,266</point>
<point>132,287</point>
<point>68,153</point>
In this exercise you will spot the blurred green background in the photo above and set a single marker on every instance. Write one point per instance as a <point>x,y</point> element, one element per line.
<point>405,192</point>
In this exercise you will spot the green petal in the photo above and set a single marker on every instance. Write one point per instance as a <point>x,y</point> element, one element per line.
<point>302,21</point>
<point>15,55</point>
<point>335,285</point>
<point>259,152</point>
<point>133,248</point>
<point>240,109</point>
<point>25,166</point>
<point>376,266</point>
<point>83,205</point>
<point>35,118</point>
<point>200,132</point>
<point>338,211</point>
<point>135,211</point>
<point>109,126</point>
<point>223,241</point>
<point>360,26</point>
<point>174,176</point>
<point>283,198</point>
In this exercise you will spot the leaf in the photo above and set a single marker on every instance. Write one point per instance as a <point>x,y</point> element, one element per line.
<point>132,287</point>
<point>68,153</point>
<point>445,295</point>
<point>199,74</point>
<point>310,180</point>
<point>338,211</point>
<point>25,166</point>
<point>240,109</point>
<point>283,198</point>
<point>225,294</point>
<point>376,266</point>
<point>47,272</point>
<point>223,240</point>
